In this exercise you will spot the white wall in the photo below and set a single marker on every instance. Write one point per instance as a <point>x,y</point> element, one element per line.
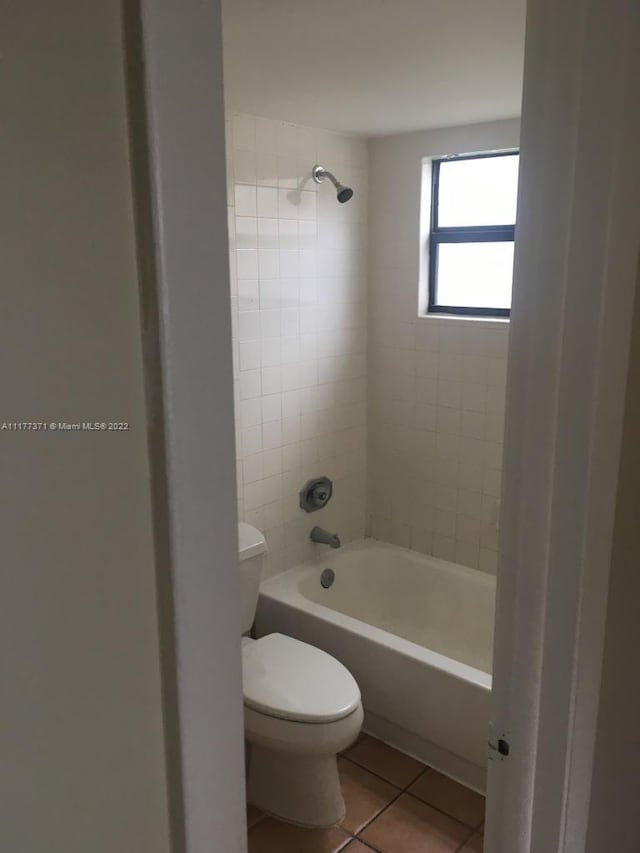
<point>298,271</point>
<point>82,766</point>
<point>436,386</point>
<point>613,814</point>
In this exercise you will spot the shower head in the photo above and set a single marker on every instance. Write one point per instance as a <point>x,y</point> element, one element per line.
<point>343,193</point>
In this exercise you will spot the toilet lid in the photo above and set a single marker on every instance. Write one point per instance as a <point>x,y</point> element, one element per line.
<point>291,680</point>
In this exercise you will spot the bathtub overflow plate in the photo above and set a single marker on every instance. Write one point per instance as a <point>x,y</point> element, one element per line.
<point>327,578</point>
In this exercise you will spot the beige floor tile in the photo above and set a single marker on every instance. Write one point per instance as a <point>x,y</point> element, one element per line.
<point>357,847</point>
<point>394,766</point>
<point>365,795</point>
<point>411,826</point>
<point>450,797</point>
<point>275,836</point>
<point>474,845</point>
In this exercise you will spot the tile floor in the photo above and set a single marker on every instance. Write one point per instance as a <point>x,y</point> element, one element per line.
<point>394,803</point>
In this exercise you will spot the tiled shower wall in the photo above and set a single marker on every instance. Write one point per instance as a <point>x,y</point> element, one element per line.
<point>298,278</point>
<point>436,386</point>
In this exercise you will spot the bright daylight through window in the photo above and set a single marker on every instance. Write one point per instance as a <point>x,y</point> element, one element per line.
<point>473,215</point>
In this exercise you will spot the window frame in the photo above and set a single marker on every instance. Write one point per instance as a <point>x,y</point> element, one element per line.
<point>462,234</point>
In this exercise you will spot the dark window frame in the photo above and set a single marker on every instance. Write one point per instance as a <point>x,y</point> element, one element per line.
<point>461,234</point>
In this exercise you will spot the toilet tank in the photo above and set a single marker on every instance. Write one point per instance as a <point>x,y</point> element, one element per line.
<point>252,547</point>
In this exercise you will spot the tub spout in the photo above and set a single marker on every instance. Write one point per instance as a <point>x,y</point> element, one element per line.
<point>319,534</point>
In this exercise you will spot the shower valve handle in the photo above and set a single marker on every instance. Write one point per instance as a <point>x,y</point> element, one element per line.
<point>316,494</point>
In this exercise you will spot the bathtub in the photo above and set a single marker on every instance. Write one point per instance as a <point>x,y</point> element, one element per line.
<point>417,634</point>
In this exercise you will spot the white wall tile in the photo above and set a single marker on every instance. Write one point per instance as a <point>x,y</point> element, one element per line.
<point>245,200</point>
<point>250,384</point>
<point>249,352</point>
<point>444,547</point>
<point>244,167</point>
<point>488,561</point>
<point>266,169</point>
<point>270,324</point>
<point>287,139</point>
<point>250,413</point>
<point>287,323</point>
<point>267,202</point>
<point>251,440</point>
<point>246,232</point>
<point>467,554</point>
<point>271,407</point>
<point>469,503</point>
<point>270,352</point>
<point>445,377</point>
<point>268,234</point>
<point>248,325</point>
<point>288,177</point>
<point>288,201</point>
<point>272,435</point>
<point>271,380</point>
<point>247,263</point>
<point>253,495</point>
<point>335,372</point>
<point>268,263</point>
<point>289,264</point>
<point>307,206</point>
<point>248,295</point>
<point>288,230</point>
<point>252,468</point>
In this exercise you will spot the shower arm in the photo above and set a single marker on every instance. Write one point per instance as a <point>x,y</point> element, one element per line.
<point>320,173</point>
<point>343,192</point>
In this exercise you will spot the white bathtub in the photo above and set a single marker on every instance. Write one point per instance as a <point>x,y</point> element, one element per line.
<point>417,634</point>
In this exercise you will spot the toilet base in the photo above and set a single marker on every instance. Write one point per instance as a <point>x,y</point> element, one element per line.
<point>302,789</point>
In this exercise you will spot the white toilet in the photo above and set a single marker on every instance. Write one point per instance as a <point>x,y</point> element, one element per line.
<point>301,707</point>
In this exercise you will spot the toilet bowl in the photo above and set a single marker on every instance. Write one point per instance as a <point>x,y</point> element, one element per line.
<point>301,707</point>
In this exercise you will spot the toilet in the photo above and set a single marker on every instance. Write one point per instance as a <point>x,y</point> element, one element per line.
<point>301,708</point>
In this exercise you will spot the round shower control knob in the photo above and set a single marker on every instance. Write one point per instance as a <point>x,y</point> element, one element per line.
<point>316,494</point>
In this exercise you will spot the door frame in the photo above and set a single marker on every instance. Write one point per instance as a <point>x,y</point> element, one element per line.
<point>577,245</point>
<point>173,55</point>
<point>576,256</point>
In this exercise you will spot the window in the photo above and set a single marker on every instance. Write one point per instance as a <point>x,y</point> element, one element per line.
<point>473,215</point>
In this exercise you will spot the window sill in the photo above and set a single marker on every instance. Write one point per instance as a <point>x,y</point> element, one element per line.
<point>497,322</point>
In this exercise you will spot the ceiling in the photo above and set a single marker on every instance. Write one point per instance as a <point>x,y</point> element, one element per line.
<point>374,66</point>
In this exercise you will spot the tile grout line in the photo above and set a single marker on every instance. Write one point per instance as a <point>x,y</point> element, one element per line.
<point>406,790</point>
<point>465,842</point>
<point>373,773</point>
<point>357,837</point>
<point>400,791</point>
<point>446,814</point>
<point>353,838</point>
<point>364,844</point>
<point>375,817</point>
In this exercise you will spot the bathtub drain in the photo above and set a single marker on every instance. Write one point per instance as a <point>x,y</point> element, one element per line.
<point>327,578</point>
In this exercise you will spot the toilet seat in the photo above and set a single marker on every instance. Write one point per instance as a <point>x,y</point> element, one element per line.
<point>290,680</point>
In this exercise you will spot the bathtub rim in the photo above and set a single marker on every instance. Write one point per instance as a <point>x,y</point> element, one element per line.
<point>283,588</point>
